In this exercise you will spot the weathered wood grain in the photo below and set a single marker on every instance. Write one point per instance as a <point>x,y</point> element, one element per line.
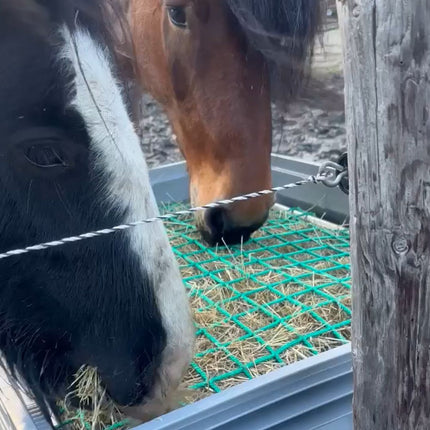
<point>387,73</point>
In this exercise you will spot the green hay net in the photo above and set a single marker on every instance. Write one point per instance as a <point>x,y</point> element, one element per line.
<point>292,277</point>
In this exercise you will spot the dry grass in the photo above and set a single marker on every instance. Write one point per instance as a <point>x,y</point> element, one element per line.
<point>253,303</point>
<point>98,411</point>
<point>255,309</point>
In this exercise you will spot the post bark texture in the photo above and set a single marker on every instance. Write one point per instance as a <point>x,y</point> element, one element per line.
<point>387,91</point>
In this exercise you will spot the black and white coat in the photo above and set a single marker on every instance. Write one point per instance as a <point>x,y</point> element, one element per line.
<point>70,162</point>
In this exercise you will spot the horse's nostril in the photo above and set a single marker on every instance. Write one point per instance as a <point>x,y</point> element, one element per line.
<point>219,229</point>
<point>215,222</point>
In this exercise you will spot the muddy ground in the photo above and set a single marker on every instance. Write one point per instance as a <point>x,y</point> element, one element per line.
<point>313,128</point>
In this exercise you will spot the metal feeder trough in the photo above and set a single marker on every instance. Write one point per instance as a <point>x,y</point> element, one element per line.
<point>312,394</point>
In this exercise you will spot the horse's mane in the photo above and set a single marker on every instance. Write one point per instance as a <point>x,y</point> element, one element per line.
<point>284,32</point>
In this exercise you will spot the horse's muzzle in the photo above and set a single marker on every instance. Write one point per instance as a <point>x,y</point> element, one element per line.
<point>219,229</point>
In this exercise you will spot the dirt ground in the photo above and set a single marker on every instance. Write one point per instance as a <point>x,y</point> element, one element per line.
<point>313,128</point>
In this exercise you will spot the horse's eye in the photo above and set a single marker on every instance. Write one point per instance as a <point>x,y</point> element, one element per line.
<point>44,156</point>
<point>177,15</point>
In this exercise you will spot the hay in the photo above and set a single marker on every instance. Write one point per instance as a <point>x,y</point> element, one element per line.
<point>276,300</point>
<point>98,411</point>
<point>209,316</point>
<point>250,303</point>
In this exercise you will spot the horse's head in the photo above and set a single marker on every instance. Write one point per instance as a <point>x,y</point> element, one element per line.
<point>212,64</point>
<point>70,162</point>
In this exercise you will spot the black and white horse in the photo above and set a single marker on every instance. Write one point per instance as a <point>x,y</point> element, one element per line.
<point>70,162</point>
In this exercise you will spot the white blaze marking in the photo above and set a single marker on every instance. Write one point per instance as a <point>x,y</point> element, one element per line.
<point>118,154</point>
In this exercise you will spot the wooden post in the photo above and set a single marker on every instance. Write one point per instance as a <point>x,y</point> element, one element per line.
<point>387,72</point>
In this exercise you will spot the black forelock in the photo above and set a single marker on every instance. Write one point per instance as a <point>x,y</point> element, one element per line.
<point>284,32</point>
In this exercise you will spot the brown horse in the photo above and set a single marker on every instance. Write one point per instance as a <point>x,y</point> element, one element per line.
<point>214,66</point>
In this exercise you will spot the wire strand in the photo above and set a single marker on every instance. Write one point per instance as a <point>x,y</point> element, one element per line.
<point>221,203</point>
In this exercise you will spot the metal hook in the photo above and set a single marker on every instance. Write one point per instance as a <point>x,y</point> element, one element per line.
<point>334,175</point>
